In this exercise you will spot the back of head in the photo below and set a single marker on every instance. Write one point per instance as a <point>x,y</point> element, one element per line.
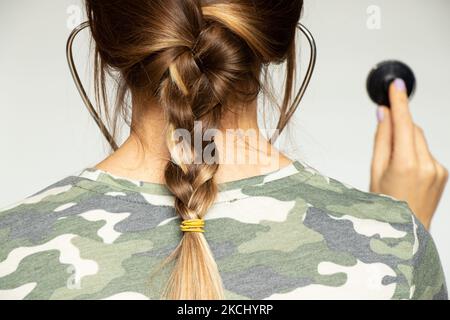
<point>196,58</point>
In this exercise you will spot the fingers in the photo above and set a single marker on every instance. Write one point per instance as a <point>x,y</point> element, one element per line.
<point>442,176</point>
<point>383,142</point>
<point>431,170</point>
<point>442,172</point>
<point>426,163</point>
<point>403,126</point>
<point>423,152</point>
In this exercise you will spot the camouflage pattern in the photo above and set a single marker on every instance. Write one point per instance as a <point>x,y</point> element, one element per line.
<point>291,234</point>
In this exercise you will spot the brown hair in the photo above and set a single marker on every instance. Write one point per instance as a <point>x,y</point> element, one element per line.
<point>197,58</point>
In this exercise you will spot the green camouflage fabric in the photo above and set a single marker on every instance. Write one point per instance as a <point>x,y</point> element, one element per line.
<point>291,234</point>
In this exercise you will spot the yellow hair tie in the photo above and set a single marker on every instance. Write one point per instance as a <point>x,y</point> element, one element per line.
<point>193,225</point>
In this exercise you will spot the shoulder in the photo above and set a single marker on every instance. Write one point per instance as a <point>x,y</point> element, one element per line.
<point>70,229</point>
<point>376,230</point>
<point>428,278</point>
<point>32,233</point>
<point>55,210</point>
<point>55,193</point>
<point>344,201</point>
<point>78,204</point>
<point>31,218</point>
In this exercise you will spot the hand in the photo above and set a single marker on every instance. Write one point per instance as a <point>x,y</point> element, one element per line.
<point>402,165</point>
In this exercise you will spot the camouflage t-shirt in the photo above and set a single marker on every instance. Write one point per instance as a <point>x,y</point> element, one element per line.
<point>290,234</point>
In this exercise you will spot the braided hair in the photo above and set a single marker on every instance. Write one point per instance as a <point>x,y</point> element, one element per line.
<point>197,58</point>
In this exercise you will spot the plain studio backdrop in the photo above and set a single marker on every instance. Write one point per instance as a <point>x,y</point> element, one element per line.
<point>46,133</point>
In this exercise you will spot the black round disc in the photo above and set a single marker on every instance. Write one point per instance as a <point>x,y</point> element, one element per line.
<point>382,76</point>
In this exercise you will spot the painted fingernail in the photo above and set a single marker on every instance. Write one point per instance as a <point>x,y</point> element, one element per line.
<point>400,85</point>
<point>380,114</point>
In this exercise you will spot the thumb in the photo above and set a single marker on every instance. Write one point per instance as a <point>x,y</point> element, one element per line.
<point>383,142</point>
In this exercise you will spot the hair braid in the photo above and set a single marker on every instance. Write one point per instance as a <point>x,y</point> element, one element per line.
<point>197,58</point>
<point>182,96</point>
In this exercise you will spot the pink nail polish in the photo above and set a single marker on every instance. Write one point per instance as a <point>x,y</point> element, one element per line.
<point>400,85</point>
<point>380,114</point>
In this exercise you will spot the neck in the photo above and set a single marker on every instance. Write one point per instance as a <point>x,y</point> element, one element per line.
<point>144,154</point>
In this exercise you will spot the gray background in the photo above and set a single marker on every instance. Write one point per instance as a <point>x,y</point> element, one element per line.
<point>46,133</point>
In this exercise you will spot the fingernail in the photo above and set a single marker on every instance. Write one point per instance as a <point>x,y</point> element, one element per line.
<point>400,85</point>
<point>380,114</point>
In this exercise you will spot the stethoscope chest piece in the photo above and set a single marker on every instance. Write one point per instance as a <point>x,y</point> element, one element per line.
<point>382,76</point>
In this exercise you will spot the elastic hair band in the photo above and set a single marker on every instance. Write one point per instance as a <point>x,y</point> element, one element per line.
<point>193,225</point>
